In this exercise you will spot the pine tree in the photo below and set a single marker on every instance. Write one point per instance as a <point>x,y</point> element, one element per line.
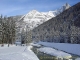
<point>7,30</point>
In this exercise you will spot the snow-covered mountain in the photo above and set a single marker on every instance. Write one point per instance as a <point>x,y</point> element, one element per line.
<point>34,18</point>
<point>64,28</point>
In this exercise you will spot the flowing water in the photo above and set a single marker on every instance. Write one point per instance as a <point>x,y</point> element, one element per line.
<point>44,56</point>
<point>41,55</point>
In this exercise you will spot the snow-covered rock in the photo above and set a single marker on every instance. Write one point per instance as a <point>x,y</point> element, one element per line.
<point>57,53</point>
<point>35,18</point>
<point>37,45</point>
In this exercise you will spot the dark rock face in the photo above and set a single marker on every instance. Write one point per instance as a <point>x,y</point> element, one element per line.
<point>64,28</point>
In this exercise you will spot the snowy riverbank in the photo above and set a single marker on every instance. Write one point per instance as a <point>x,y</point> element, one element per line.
<point>70,48</point>
<point>53,52</point>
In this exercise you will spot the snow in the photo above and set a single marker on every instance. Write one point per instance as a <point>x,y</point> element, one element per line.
<point>54,52</point>
<point>78,59</point>
<point>18,43</point>
<point>17,53</point>
<point>35,18</point>
<point>6,45</point>
<point>37,45</point>
<point>70,48</point>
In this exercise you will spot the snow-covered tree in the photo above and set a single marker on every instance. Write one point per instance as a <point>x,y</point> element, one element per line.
<point>7,30</point>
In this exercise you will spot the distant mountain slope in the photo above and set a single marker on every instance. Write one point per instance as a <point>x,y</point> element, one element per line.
<point>33,19</point>
<point>64,28</point>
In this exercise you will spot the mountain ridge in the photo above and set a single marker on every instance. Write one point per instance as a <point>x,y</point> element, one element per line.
<point>34,18</point>
<point>64,28</point>
<point>31,20</point>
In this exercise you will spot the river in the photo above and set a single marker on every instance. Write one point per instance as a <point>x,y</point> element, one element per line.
<point>44,56</point>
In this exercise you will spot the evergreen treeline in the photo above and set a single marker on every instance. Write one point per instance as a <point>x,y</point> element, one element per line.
<point>7,30</point>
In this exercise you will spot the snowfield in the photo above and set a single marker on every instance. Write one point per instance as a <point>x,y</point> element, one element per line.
<point>78,59</point>
<point>37,45</point>
<point>70,48</point>
<point>17,53</point>
<point>25,53</point>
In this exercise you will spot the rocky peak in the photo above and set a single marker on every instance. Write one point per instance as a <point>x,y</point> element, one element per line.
<point>66,6</point>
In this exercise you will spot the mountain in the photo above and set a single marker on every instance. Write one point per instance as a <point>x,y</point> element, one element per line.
<point>63,8</point>
<point>35,18</point>
<point>64,28</point>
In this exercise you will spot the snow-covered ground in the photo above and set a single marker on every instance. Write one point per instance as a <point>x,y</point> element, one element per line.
<point>78,59</point>
<point>57,53</point>
<point>37,45</point>
<point>25,53</point>
<point>17,53</point>
<point>70,48</point>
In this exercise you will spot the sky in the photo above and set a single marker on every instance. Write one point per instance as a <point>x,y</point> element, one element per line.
<point>21,7</point>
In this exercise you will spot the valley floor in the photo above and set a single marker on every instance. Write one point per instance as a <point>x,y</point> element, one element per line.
<point>17,53</point>
<point>25,53</point>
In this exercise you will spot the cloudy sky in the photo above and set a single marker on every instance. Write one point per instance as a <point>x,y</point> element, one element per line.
<point>20,7</point>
